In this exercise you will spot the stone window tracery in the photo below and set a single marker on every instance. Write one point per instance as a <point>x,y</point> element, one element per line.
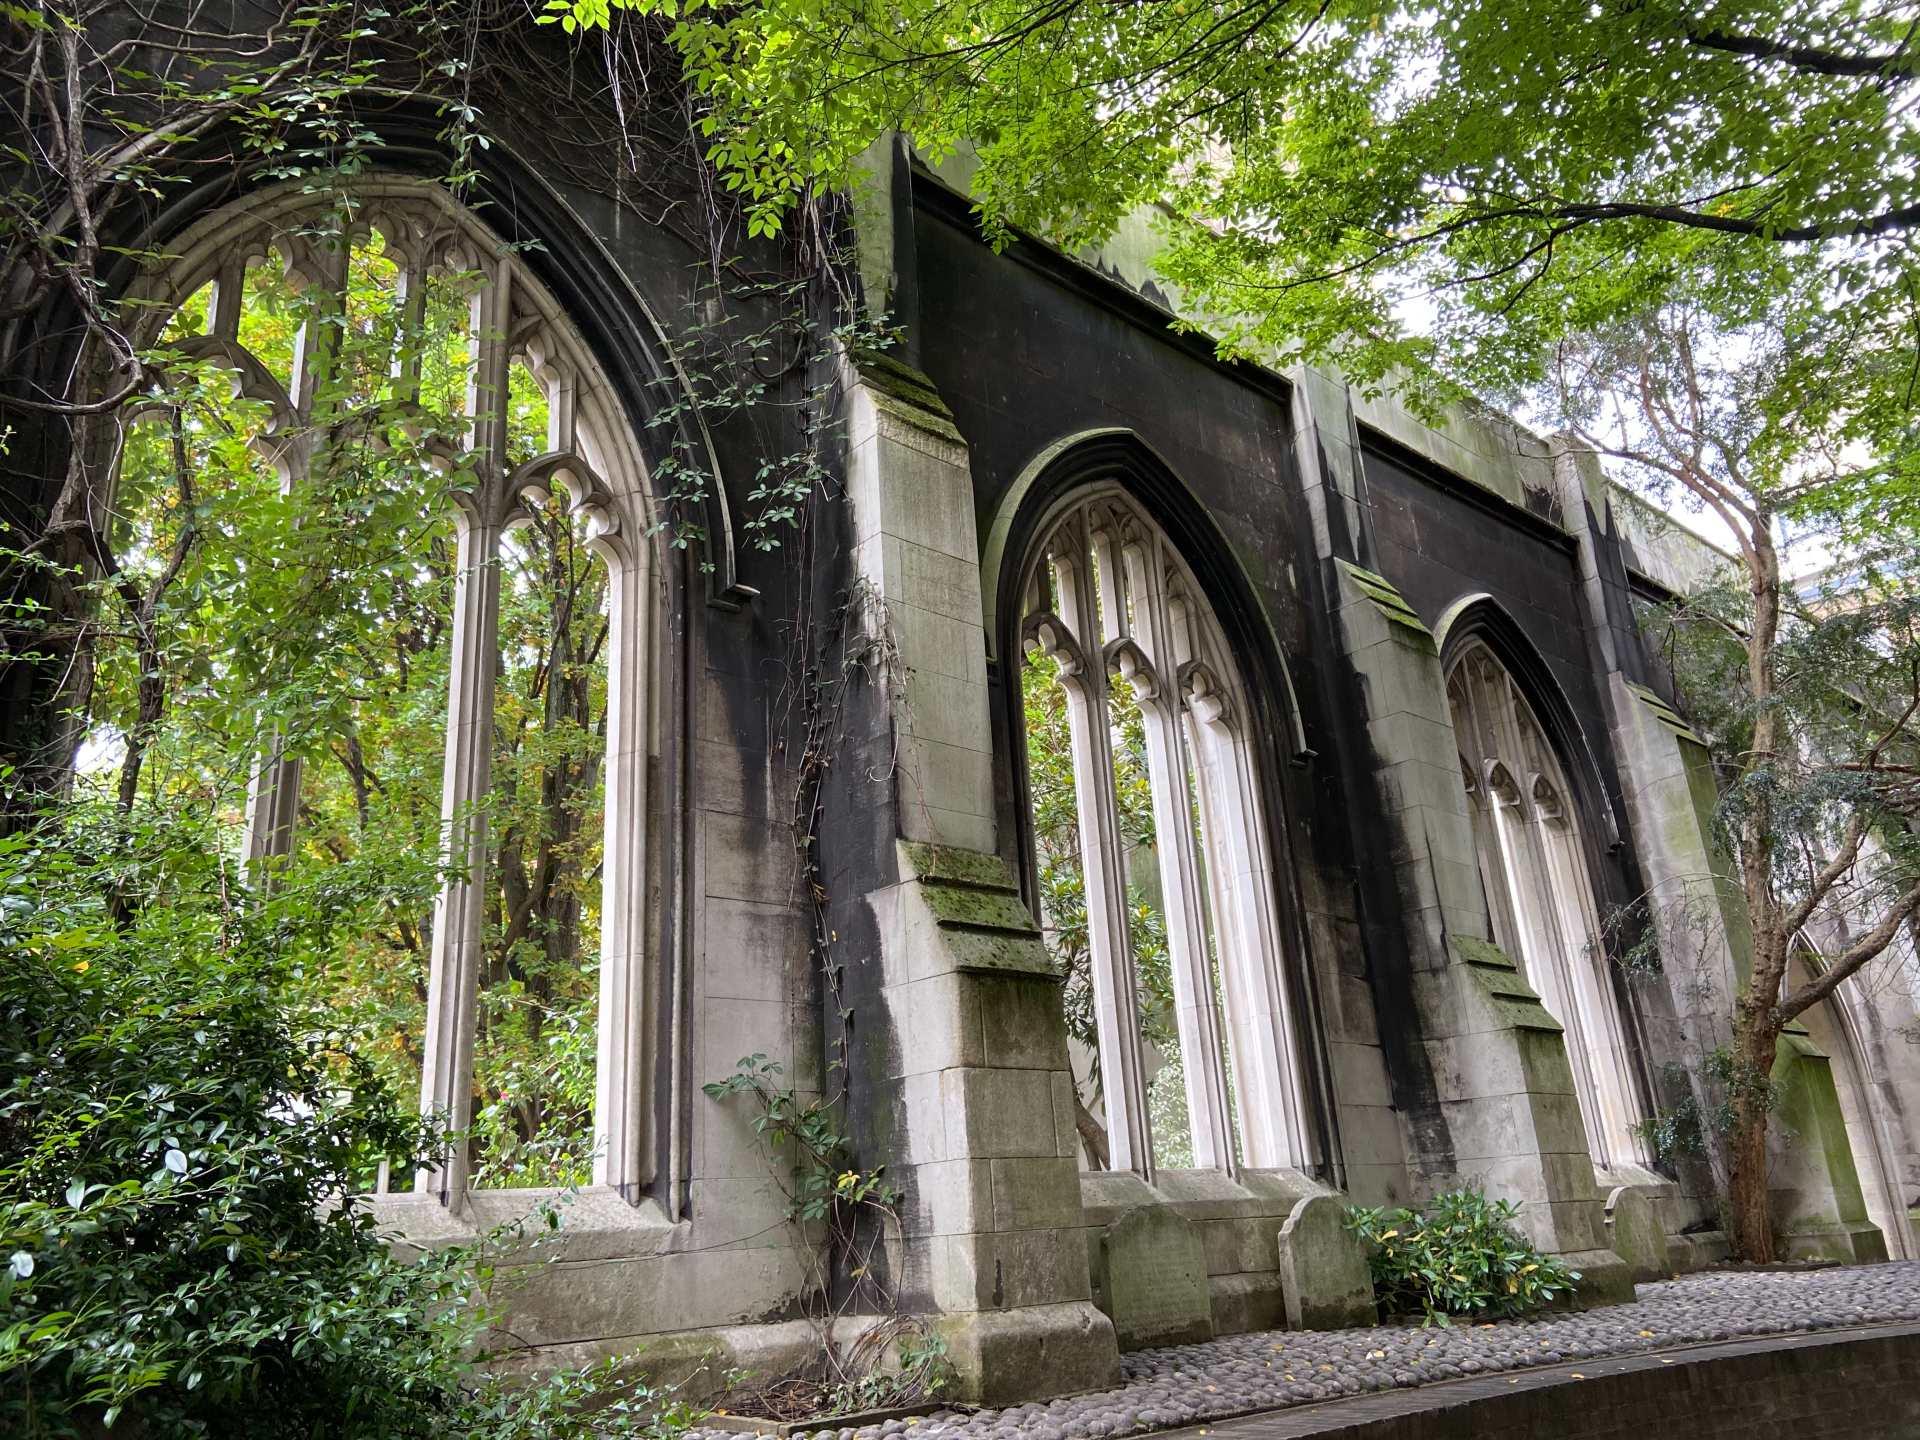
<point>1152,820</point>
<point>412,329</point>
<point>1533,872</point>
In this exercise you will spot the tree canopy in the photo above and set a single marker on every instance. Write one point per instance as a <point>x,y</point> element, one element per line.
<point>1439,192</point>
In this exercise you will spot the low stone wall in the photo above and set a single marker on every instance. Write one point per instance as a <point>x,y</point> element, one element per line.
<point>1860,1384</point>
<point>1199,1254</point>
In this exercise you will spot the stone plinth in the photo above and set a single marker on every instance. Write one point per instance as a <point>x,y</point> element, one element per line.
<point>1323,1268</point>
<point>1153,1280</point>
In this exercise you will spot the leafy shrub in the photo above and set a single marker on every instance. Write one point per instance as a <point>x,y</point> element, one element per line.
<point>179,1131</point>
<point>1460,1256</point>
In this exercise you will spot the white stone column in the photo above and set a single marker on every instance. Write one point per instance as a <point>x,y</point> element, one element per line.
<point>1197,1016</point>
<point>1116,1013</point>
<point>619,1116</point>
<point>1273,1109</point>
<point>459,929</point>
<point>459,936</point>
<point>273,790</point>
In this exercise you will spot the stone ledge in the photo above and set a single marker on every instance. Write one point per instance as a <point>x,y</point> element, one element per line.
<point>920,860</point>
<point>1385,598</point>
<point>1500,980</point>
<point>1696,1250</point>
<point>1668,717</point>
<point>976,909</point>
<point>596,1223</point>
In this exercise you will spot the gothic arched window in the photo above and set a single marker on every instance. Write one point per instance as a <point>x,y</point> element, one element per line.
<point>1156,875</point>
<point>1534,874</point>
<point>389,330</point>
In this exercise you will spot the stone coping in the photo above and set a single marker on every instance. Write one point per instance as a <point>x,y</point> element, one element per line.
<point>1197,1194</point>
<point>1442,1400</point>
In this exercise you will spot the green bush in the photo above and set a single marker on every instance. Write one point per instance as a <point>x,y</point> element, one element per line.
<point>179,1129</point>
<point>1458,1256</point>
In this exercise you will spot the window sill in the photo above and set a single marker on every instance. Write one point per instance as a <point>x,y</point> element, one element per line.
<point>594,1223</point>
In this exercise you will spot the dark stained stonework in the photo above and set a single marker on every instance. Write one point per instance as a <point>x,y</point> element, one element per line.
<point>1348,552</point>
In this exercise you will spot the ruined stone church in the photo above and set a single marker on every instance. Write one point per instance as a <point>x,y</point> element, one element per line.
<point>1378,684</point>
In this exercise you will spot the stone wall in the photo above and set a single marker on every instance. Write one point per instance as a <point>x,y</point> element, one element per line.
<point>1343,546</point>
<point>1228,1254</point>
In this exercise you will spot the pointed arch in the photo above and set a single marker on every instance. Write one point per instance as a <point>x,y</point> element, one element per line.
<point>1536,873</point>
<point>1099,542</point>
<point>1837,1028</point>
<point>1483,618</point>
<point>582,448</point>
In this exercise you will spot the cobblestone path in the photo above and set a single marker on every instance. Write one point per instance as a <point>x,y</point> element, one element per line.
<point>1194,1384</point>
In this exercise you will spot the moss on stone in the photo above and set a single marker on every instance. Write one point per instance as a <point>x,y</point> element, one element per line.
<point>978,909</point>
<point>952,863</point>
<point>1514,1003</point>
<point>983,952</point>
<point>1386,599</point>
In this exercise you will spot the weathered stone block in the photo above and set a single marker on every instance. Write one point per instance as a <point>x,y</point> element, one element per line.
<point>1030,1354</point>
<point>1020,1021</point>
<point>1359,1073</point>
<point>746,858</point>
<point>1570,1225</point>
<point>1544,1054</point>
<point>1323,1268</point>
<point>1857,1242</point>
<point>936,1025</point>
<point>1154,1280</point>
<point>999,1112</point>
<point>1465,1068</point>
<point>1635,1234</point>
<point>1485,1130</point>
<point>1034,1193</point>
<point>952,1197</point>
<point>1247,1302</point>
<point>1008,1269</point>
<point>1239,1244</point>
<point>567,1302</point>
<point>1557,1123</point>
<point>755,951</point>
<point>1371,1135</point>
<point>1687,1253</point>
<point>1605,1278</point>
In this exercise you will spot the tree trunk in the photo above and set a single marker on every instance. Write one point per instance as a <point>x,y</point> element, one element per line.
<point>1755,1028</point>
<point>1093,1134</point>
<point>1752,1237</point>
<point>72,543</point>
<point>1748,1210</point>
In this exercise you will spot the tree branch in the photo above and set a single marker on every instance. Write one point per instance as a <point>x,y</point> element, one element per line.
<point>1853,957</point>
<point>1891,65</point>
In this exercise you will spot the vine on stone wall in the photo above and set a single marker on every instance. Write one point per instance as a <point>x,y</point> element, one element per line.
<point>120,103</point>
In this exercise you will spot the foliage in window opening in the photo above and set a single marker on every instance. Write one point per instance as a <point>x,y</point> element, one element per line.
<point>1063,906</point>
